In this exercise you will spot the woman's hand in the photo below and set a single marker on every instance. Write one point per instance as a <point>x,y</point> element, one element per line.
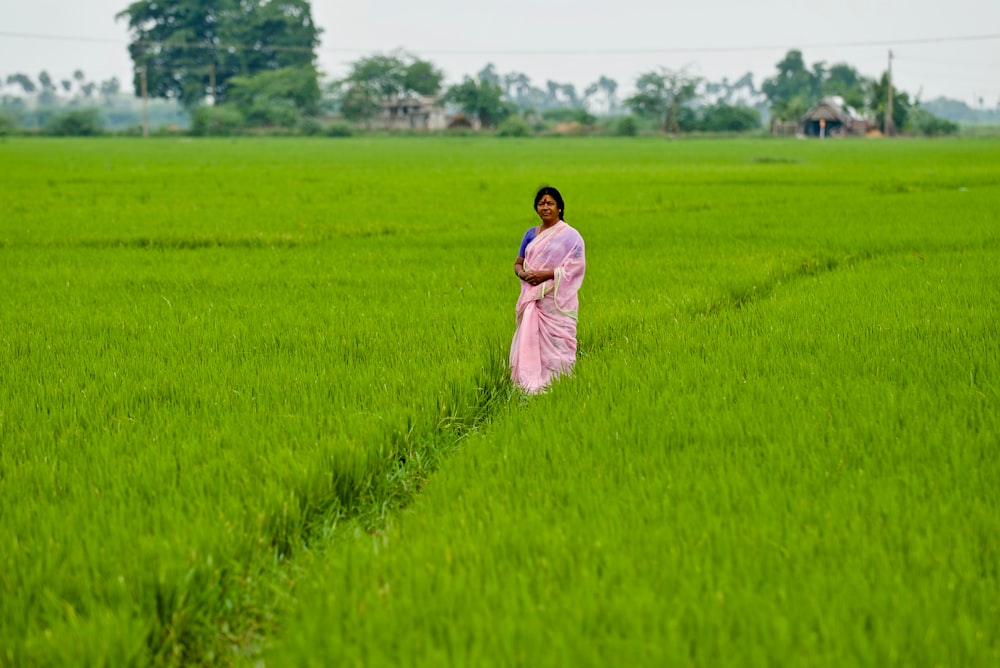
<point>537,276</point>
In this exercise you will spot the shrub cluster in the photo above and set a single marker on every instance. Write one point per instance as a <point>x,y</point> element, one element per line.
<point>263,115</point>
<point>75,123</point>
<point>8,124</point>
<point>924,123</point>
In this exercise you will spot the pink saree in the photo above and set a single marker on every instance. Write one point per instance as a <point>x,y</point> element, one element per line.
<point>544,344</point>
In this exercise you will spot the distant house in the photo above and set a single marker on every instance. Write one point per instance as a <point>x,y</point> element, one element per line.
<point>413,113</point>
<point>831,116</point>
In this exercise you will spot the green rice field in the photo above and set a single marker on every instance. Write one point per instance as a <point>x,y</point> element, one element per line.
<point>255,410</point>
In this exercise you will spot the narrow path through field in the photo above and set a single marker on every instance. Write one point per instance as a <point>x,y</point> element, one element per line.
<point>411,459</point>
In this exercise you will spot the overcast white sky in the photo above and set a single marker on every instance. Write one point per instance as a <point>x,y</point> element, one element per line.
<point>577,41</point>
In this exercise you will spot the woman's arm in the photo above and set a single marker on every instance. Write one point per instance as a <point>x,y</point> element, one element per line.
<point>536,276</point>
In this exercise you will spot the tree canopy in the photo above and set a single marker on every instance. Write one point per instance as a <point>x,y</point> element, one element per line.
<point>22,80</point>
<point>795,87</point>
<point>256,59</point>
<point>276,97</point>
<point>190,49</point>
<point>662,94</point>
<point>900,105</point>
<point>383,81</point>
<point>482,99</point>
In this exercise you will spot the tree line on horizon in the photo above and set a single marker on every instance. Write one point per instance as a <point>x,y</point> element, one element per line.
<point>251,63</point>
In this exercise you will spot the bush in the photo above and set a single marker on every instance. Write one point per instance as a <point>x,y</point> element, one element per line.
<point>310,127</point>
<point>273,113</point>
<point>569,115</point>
<point>724,117</point>
<point>687,119</point>
<point>339,130</point>
<point>627,126</point>
<point>75,123</point>
<point>8,124</point>
<point>922,122</point>
<point>221,121</point>
<point>514,126</point>
<point>297,87</point>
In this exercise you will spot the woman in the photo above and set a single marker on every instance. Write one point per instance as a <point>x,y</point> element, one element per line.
<point>551,266</point>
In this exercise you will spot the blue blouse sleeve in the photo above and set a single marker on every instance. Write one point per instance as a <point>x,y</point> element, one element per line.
<point>529,236</point>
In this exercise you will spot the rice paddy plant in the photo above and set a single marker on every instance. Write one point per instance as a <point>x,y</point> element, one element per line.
<point>777,449</point>
<point>227,366</point>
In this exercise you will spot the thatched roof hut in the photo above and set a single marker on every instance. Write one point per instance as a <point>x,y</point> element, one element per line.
<point>832,116</point>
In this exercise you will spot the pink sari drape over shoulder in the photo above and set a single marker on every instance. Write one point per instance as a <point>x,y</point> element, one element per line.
<point>544,344</point>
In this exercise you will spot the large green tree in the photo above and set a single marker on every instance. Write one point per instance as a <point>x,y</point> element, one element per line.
<point>845,81</point>
<point>795,88</point>
<point>662,95</point>
<point>482,99</point>
<point>900,105</point>
<point>193,48</point>
<point>276,97</point>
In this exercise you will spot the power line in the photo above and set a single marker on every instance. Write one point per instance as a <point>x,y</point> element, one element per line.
<point>707,49</point>
<point>59,38</point>
<point>156,44</point>
<point>525,52</point>
<point>965,64</point>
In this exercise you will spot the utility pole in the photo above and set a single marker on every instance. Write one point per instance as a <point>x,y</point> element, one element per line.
<point>887,121</point>
<point>145,102</point>
<point>211,81</point>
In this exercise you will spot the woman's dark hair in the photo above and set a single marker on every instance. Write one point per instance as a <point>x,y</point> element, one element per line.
<point>549,190</point>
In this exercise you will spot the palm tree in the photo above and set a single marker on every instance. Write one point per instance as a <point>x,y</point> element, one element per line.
<point>609,86</point>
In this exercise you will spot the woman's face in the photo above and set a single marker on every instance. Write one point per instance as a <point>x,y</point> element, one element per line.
<point>547,209</point>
